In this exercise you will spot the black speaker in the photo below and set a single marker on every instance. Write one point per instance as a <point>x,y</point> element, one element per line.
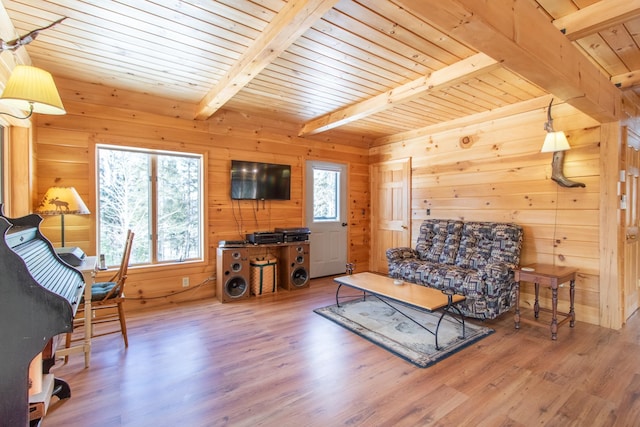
<point>294,266</point>
<point>232,274</point>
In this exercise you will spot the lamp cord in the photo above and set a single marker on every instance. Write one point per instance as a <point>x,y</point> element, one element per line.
<point>21,118</point>
<point>555,224</point>
<point>190,289</point>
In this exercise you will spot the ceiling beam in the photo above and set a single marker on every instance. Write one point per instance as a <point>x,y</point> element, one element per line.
<point>626,80</point>
<point>289,24</point>
<point>540,103</point>
<point>520,36</point>
<point>445,77</point>
<point>628,83</point>
<point>597,17</point>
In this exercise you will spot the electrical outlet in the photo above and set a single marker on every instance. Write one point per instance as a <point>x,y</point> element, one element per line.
<point>185,282</point>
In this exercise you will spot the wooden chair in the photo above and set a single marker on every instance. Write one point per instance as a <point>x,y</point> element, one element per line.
<point>109,296</point>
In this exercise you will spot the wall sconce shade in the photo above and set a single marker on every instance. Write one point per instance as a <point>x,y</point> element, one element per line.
<point>32,89</point>
<point>62,201</point>
<point>555,141</point>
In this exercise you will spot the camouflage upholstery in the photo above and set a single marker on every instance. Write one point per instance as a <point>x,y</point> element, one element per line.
<point>474,259</point>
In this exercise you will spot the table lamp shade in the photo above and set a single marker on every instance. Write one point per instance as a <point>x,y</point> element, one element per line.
<point>62,200</point>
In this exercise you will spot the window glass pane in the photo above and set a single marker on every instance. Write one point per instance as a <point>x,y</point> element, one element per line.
<point>178,208</point>
<point>124,202</point>
<point>325,195</point>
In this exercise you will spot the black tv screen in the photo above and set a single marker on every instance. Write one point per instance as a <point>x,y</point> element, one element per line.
<point>260,181</point>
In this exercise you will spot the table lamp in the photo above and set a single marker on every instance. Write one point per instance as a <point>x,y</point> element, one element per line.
<point>63,201</point>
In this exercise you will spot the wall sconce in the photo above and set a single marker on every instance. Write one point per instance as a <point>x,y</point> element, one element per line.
<point>31,89</point>
<point>556,143</point>
<point>62,201</point>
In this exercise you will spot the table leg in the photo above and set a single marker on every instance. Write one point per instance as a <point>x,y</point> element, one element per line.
<point>536,304</point>
<point>554,311</point>
<point>446,310</point>
<point>516,317</point>
<point>572,295</point>
<point>89,279</point>
<point>88,314</point>
<point>364,295</point>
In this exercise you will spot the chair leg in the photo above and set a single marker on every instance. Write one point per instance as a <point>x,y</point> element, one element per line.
<point>123,323</point>
<point>67,344</point>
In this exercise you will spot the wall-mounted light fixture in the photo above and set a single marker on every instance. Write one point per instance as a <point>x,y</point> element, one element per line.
<point>556,142</point>
<point>31,89</point>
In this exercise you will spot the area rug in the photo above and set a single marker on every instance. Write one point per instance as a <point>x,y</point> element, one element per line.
<point>386,327</point>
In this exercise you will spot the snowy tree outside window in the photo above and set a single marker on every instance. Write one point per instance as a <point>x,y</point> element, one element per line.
<point>325,195</point>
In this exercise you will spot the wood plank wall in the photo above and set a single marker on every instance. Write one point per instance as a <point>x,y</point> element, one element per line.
<point>65,152</point>
<point>502,176</point>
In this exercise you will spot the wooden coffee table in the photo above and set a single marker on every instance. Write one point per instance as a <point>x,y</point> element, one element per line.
<point>407,294</point>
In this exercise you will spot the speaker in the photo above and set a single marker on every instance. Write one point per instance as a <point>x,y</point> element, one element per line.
<point>232,274</point>
<point>294,270</point>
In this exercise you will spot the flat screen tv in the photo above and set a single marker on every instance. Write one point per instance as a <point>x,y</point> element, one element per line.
<point>260,181</point>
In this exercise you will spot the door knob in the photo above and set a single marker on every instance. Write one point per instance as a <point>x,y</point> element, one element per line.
<point>344,224</point>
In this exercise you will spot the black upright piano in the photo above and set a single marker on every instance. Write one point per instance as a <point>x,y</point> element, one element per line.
<point>39,295</point>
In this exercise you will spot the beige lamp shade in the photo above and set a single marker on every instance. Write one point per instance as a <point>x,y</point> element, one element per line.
<point>32,89</point>
<point>555,141</point>
<point>62,200</point>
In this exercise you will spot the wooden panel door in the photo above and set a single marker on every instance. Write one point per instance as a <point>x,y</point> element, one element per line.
<point>390,210</point>
<point>630,220</point>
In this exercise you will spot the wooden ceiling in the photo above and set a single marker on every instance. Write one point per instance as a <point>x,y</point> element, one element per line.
<point>378,68</point>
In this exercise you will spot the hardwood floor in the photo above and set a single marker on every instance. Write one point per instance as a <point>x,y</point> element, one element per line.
<point>271,361</point>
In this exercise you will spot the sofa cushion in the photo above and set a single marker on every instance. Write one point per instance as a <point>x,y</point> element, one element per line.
<point>506,244</point>
<point>476,244</point>
<point>483,243</point>
<point>439,240</point>
<point>442,276</point>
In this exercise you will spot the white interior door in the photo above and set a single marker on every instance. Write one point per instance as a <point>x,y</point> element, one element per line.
<point>326,212</point>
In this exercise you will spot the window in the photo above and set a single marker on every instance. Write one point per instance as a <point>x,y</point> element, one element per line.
<point>325,195</point>
<point>156,194</point>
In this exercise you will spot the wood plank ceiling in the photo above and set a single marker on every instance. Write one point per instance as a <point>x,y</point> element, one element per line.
<point>375,68</point>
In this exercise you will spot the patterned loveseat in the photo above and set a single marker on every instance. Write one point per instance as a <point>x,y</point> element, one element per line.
<point>474,259</point>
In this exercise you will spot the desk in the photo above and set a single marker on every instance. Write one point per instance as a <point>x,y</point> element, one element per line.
<point>551,277</point>
<point>88,269</point>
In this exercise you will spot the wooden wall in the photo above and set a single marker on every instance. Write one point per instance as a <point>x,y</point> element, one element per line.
<point>17,151</point>
<point>499,174</point>
<point>65,152</point>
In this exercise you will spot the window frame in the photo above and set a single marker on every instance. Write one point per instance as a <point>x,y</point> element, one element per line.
<point>154,152</point>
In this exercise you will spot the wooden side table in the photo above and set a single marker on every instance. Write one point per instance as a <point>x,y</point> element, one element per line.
<point>552,277</point>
